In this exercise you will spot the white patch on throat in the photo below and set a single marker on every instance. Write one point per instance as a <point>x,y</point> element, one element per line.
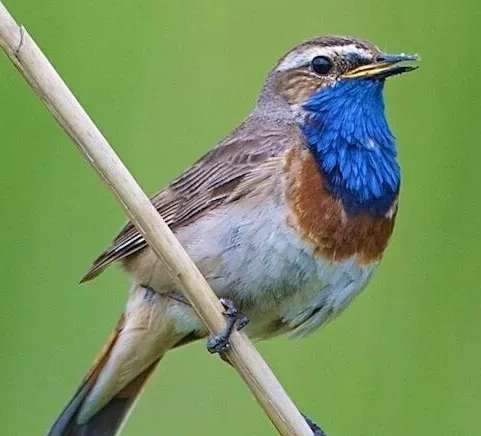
<point>370,144</point>
<point>392,210</point>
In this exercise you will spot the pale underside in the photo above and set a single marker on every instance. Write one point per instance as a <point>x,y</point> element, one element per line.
<point>229,211</point>
<point>249,254</point>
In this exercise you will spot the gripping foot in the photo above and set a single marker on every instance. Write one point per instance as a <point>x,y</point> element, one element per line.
<point>316,430</point>
<point>220,343</point>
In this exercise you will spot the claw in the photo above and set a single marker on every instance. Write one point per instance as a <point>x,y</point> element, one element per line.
<point>219,344</point>
<point>316,430</point>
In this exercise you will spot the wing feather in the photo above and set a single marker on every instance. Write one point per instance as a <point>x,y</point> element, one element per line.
<point>228,172</point>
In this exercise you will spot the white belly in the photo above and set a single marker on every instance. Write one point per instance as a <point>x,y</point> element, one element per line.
<point>253,257</point>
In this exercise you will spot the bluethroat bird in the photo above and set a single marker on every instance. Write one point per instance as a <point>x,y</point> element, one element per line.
<point>287,218</point>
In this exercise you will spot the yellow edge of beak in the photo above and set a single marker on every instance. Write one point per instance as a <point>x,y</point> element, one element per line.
<point>368,70</point>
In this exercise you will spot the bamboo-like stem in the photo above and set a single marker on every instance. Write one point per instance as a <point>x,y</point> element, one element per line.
<point>42,77</point>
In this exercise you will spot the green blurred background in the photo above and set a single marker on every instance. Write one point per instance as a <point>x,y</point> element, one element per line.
<point>165,81</point>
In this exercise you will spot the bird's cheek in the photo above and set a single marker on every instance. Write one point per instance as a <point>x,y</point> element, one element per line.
<point>297,87</point>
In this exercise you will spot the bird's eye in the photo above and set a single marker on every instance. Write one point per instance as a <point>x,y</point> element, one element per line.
<point>321,65</point>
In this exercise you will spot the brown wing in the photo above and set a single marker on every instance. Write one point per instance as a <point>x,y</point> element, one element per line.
<point>215,179</point>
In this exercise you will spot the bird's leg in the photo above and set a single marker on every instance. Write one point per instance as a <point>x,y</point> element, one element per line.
<point>220,343</point>
<point>316,430</point>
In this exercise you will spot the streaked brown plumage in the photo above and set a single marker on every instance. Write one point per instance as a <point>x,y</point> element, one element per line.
<point>234,168</point>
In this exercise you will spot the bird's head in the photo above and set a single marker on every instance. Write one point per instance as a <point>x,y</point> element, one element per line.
<point>317,66</point>
<point>333,86</point>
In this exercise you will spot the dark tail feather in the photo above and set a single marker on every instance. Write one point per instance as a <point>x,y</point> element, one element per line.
<point>108,420</point>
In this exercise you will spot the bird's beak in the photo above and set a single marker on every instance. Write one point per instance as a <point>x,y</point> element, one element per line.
<point>385,65</point>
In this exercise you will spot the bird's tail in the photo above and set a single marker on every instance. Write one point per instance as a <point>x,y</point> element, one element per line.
<point>144,333</point>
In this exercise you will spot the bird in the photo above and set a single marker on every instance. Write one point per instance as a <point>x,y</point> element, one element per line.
<point>287,217</point>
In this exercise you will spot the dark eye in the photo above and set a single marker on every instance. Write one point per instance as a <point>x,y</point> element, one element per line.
<point>321,65</point>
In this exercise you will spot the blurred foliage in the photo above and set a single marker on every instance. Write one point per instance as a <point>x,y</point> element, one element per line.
<point>164,81</point>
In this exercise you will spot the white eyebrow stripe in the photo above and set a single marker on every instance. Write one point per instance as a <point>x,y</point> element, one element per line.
<point>296,59</point>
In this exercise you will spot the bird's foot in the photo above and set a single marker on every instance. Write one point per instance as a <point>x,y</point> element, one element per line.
<point>221,343</point>
<point>316,430</point>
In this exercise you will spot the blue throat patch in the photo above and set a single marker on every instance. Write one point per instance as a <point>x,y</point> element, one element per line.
<point>347,132</point>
